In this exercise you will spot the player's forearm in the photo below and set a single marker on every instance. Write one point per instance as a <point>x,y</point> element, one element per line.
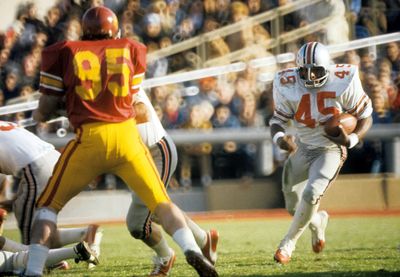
<point>363,125</point>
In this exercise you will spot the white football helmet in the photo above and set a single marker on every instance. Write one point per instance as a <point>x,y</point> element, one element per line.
<point>313,62</point>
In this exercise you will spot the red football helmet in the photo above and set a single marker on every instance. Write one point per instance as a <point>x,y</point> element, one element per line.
<point>99,23</point>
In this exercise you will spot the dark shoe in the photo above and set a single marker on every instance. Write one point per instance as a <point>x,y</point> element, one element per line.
<point>86,254</point>
<point>203,267</point>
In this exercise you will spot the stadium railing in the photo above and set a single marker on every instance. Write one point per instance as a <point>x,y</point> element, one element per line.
<point>199,42</point>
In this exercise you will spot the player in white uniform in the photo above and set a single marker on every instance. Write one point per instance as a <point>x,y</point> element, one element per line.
<point>308,96</point>
<point>31,160</point>
<point>139,219</point>
<point>13,262</point>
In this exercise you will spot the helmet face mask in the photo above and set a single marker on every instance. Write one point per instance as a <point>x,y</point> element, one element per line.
<point>100,23</point>
<point>313,61</point>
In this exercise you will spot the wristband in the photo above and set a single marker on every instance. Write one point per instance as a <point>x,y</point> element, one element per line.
<point>353,140</point>
<point>277,136</point>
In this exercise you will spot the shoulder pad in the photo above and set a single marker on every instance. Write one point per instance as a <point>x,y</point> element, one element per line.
<point>340,77</point>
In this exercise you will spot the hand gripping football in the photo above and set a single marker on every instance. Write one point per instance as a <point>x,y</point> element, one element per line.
<point>348,122</point>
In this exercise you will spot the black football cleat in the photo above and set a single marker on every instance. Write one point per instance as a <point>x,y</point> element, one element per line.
<point>203,267</point>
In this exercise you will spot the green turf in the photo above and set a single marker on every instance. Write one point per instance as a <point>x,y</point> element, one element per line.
<point>366,246</point>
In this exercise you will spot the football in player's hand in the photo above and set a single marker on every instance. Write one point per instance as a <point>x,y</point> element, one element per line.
<point>348,122</point>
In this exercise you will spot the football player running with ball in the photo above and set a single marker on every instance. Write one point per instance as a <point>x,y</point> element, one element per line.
<point>98,78</point>
<point>309,95</point>
<point>139,220</point>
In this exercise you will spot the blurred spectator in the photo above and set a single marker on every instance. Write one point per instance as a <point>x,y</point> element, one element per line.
<point>73,30</point>
<point>393,54</point>
<point>52,19</point>
<point>207,109</point>
<point>325,9</point>
<point>155,67</point>
<point>216,47</point>
<point>248,35</point>
<point>371,20</point>
<point>266,104</point>
<point>175,113</point>
<point>259,6</point>
<point>30,69</point>
<point>367,62</point>
<point>186,29</point>
<point>249,116</point>
<point>196,14</point>
<point>152,30</point>
<point>382,112</point>
<point>224,156</point>
<point>196,155</point>
<point>11,84</point>
<point>158,95</point>
<point>392,15</point>
<point>2,99</point>
<point>207,87</point>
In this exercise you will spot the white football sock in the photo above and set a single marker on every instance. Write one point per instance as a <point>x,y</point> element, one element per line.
<point>185,239</point>
<point>315,222</point>
<point>60,254</point>
<point>37,256</point>
<point>71,235</point>
<point>199,234</point>
<point>162,249</point>
<point>13,246</point>
<point>301,219</point>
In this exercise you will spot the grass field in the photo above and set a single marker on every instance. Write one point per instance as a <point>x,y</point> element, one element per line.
<point>356,246</point>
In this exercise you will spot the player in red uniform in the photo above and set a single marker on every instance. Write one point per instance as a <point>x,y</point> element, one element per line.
<point>98,77</point>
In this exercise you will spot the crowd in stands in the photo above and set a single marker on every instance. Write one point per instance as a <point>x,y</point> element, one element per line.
<point>227,101</point>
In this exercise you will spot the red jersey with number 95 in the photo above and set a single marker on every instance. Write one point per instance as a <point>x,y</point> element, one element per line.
<point>310,108</point>
<point>97,78</point>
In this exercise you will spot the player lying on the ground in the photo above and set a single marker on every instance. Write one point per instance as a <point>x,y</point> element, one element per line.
<point>139,220</point>
<point>31,160</point>
<point>14,262</point>
<point>309,95</point>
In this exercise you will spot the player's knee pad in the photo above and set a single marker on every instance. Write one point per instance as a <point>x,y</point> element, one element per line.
<point>311,196</point>
<point>137,234</point>
<point>141,233</point>
<point>47,214</point>
<point>139,229</point>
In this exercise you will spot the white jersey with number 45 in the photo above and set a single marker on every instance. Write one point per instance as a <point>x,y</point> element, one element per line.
<point>310,108</point>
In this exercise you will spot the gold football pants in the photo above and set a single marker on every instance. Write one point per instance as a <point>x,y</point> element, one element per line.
<point>100,148</point>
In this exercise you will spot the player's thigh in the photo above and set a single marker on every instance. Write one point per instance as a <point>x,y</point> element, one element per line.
<point>295,174</point>
<point>323,172</point>
<point>77,166</point>
<point>141,175</point>
<point>43,168</point>
<point>295,171</point>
